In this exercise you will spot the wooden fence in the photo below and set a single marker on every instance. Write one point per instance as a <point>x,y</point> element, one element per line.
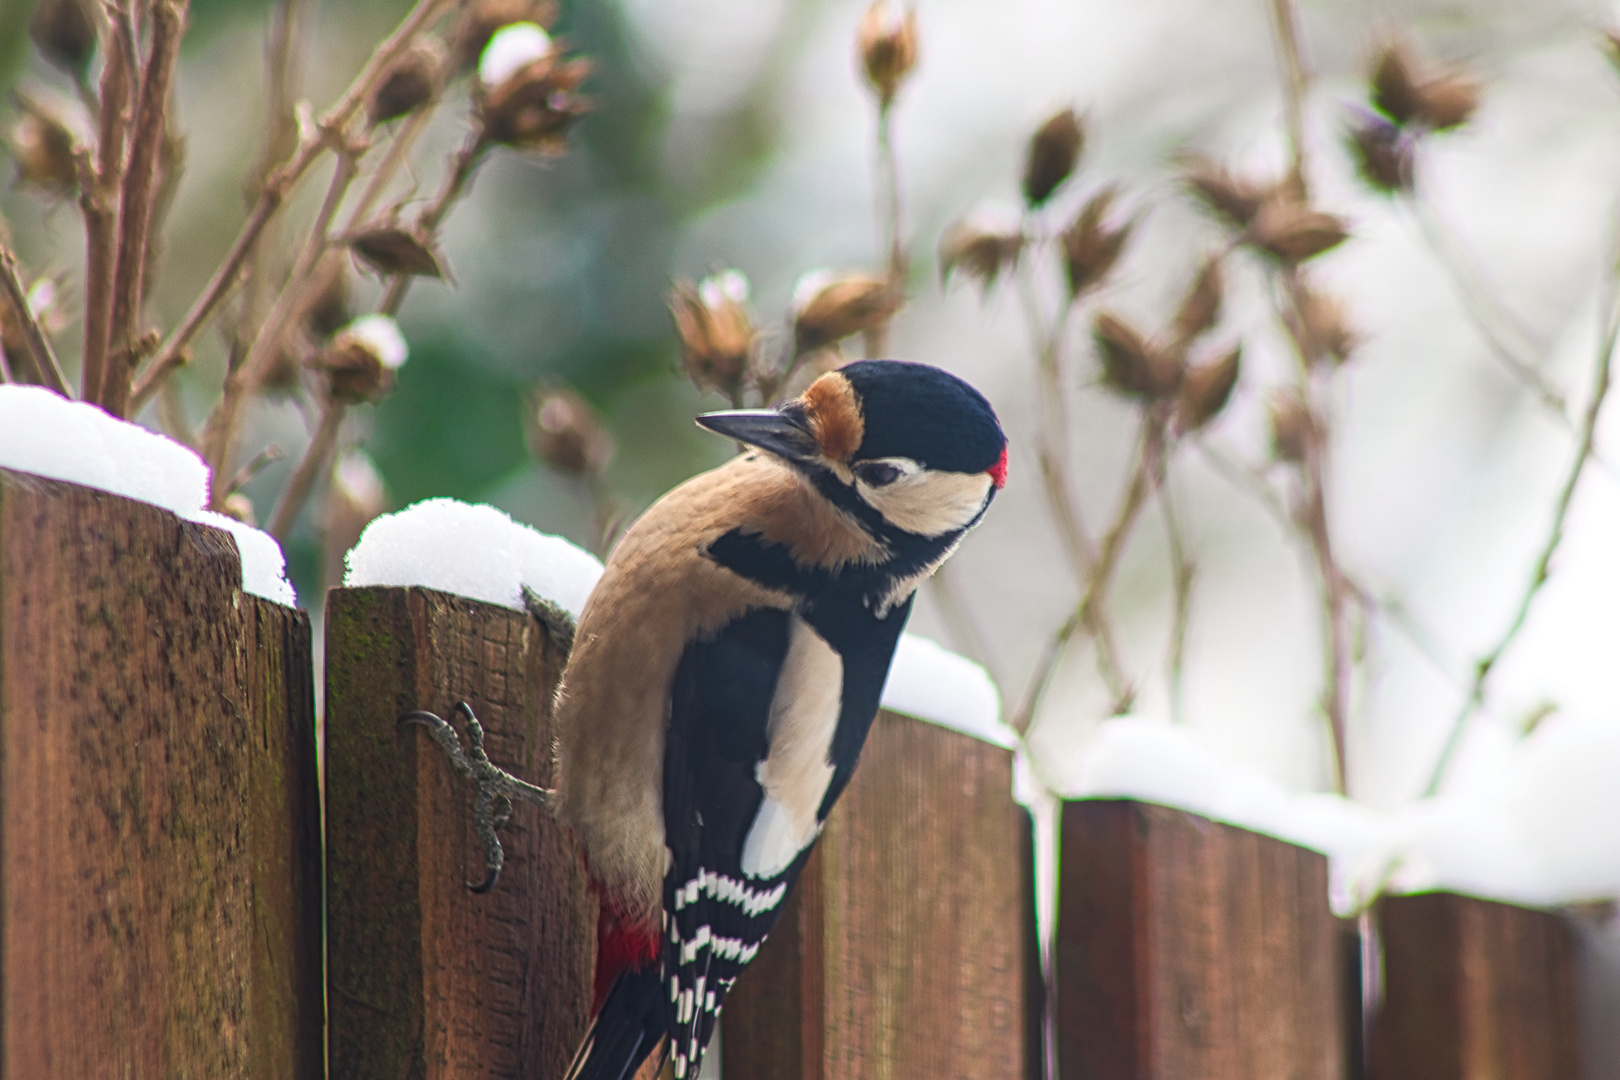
<point>160,902</point>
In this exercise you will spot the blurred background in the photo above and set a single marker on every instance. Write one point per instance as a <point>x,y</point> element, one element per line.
<point>727,134</point>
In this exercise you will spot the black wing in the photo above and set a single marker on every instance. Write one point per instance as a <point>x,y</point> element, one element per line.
<point>715,916</point>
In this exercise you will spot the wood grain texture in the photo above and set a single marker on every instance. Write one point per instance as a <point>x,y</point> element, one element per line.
<point>902,951</point>
<point>1474,990</point>
<point>159,831</point>
<point>1189,948</point>
<point>426,979</point>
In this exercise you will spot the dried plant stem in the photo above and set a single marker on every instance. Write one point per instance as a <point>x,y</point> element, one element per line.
<point>1296,82</point>
<point>282,78</point>
<point>279,184</point>
<point>317,457</point>
<point>1183,571</point>
<point>1539,574</point>
<point>222,429</point>
<point>100,182</point>
<point>140,188</point>
<point>959,622</point>
<point>463,163</point>
<point>1509,341</point>
<point>1051,450</point>
<point>1151,449</point>
<point>258,464</point>
<point>40,352</point>
<point>888,224</point>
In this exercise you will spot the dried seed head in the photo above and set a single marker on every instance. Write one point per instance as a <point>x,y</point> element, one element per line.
<point>240,507</point>
<point>717,338</point>
<point>485,17</point>
<point>566,434</point>
<point>409,84</point>
<point>1383,153</point>
<point>1092,246</point>
<point>1437,100</point>
<point>533,105</point>
<point>1322,328</point>
<point>1053,153</point>
<point>829,308</point>
<point>391,250</point>
<point>981,248</point>
<point>1233,198</point>
<point>1205,390</point>
<point>1201,307</point>
<point>1446,100</point>
<point>1291,425</point>
<point>361,359</point>
<point>1294,232</point>
<point>329,311</point>
<point>887,46</point>
<point>1394,83</point>
<point>44,146</point>
<point>1130,364</point>
<point>65,34</point>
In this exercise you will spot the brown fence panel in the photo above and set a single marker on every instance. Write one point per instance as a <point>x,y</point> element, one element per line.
<point>1189,948</point>
<point>903,951</point>
<point>427,980</point>
<point>1474,990</point>
<point>159,826</point>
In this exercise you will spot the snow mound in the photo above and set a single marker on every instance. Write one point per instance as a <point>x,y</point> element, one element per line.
<point>47,435</point>
<point>1530,821</point>
<point>474,551</point>
<point>931,683</point>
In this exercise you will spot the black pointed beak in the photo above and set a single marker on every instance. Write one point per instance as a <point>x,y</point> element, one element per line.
<point>783,434</point>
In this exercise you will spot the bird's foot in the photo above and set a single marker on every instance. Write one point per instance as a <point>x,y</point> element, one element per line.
<point>553,619</point>
<point>495,787</point>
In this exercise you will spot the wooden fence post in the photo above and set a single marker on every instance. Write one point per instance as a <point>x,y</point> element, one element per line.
<point>425,979</point>
<point>902,953</point>
<point>159,820</point>
<point>1189,948</point>
<point>1474,990</point>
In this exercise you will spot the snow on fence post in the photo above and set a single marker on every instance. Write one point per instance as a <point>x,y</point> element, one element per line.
<point>159,817</point>
<point>902,952</point>
<point>1186,947</point>
<point>425,978</point>
<point>1474,988</point>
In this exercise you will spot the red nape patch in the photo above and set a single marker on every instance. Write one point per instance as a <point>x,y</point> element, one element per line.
<point>620,944</point>
<point>998,471</point>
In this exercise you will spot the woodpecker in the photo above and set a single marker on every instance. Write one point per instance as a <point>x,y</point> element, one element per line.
<point>725,672</point>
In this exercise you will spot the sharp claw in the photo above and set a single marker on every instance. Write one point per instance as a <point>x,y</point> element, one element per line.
<point>487,884</point>
<point>417,716</point>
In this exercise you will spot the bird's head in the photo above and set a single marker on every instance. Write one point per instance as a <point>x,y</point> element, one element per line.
<point>906,443</point>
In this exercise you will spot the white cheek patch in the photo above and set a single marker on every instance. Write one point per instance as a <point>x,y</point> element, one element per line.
<point>795,772</point>
<point>930,503</point>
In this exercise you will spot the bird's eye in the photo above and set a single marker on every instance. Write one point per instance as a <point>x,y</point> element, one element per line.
<point>877,473</point>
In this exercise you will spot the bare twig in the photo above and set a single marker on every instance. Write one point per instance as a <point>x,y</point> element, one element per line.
<point>463,163</point>
<point>1296,82</point>
<point>100,181</point>
<point>889,226</point>
<point>263,459</point>
<point>168,19</point>
<point>222,429</point>
<point>1182,572</point>
<point>1509,341</point>
<point>281,182</point>
<point>317,457</point>
<point>1051,451</point>
<point>39,345</point>
<point>1540,572</point>
<point>1151,448</point>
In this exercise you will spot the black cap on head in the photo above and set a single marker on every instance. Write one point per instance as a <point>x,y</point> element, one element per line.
<point>924,413</point>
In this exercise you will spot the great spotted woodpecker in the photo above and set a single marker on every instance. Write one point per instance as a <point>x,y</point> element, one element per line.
<point>725,673</point>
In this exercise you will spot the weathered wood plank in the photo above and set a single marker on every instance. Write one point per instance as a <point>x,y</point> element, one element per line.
<point>1189,948</point>
<point>159,832</point>
<point>902,952</point>
<point>1474,990</point>
<point>426,979</point>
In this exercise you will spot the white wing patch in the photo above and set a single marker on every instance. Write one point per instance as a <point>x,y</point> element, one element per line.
<point>796,772</point>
